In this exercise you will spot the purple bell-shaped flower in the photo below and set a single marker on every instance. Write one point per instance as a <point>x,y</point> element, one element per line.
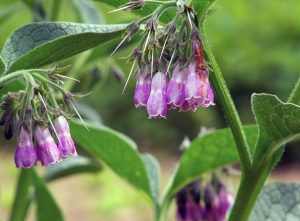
<point>176,87</point>
<point>198,91</point>
<point>157,102</point>
<point>25,155</point>
<point>65,143</point>
<point>46,147</point>
<point>143,88</point>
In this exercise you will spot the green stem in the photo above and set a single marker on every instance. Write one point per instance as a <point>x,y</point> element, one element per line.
<point>158,2</point>
<point>163,7</point>
<point>55,10</point>
<point>45,82</point>
<point>12,77</point>
<point>295,95</point>
<point>51,96</point>
<point>222,92</point>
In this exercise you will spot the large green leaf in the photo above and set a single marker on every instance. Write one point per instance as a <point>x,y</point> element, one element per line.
<point>47,209</point>
<point>87,12</point>
<point>71,166</point>
<point>38,44</point>
<point>209,152</point>
<point>200,6</point>
<point>278,123</point>
<point>118,152</point>
<point>19,208</point>
<point>277,202</point>
<point>153,169</point>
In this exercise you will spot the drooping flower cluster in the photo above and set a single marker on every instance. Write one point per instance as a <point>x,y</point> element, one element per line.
<point>29,116</point>
<point>175,48</point>
<point>195,202</point>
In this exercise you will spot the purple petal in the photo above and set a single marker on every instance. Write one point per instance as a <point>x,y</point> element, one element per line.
<point>46,147</point>
<point>143,89</point>
<point>25,155</point>
<point>65,143</point>
<point>176,87</point>
<point>157,102</point>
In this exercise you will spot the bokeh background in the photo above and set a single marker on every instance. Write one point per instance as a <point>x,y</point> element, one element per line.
<point>257,46</point>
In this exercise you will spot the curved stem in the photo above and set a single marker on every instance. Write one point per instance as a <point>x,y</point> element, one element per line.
<point>222,92</point>
<point>12,77</point>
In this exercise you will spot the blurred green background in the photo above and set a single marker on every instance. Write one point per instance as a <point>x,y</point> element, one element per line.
<point>257,46</point>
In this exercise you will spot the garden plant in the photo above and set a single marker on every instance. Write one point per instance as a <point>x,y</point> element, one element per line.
<point>174,69</point>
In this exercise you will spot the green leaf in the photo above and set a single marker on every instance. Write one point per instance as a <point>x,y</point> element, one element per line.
<point>153,170</point>
<point>39,44</point>
<point>277,202</point>
<point>20,205</point>
<point>202,6</point>
<point>88,113</point>
<point>47,209</point>
<point>2,66</point>
<point>71,166</point>
<point>118,152</point>
<point>209,152</point>
<point>278,123</point>
<point>87,12</point>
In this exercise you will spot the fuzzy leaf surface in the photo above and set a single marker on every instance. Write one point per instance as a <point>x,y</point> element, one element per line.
<point>277,202</point>
<point>278,123</point>
<point>153,169</point>
<point>211,151</point>
<point>118,152</point>
<point>71,166</point>
<point>39,44</point>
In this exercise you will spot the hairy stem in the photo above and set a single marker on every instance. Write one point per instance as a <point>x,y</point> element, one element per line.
<point>12,77</point>
<point>222,92</point>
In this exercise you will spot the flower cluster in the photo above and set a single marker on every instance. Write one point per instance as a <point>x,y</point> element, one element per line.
<point>46,150</point>
<point>195,202</point>
<point>176,50</point>
<point>28,115</point>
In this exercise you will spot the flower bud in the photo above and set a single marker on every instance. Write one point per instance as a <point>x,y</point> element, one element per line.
<point>65,143</point>
<point>25,155</point>
<point>46,147</point>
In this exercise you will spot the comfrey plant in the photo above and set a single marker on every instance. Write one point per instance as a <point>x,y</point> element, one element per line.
<point>161,49</point>
<point>28,114</point>
<point>175,69</point>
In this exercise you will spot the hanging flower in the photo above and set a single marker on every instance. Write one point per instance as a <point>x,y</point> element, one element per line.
<point>65,143</point>
<point>157,102</point>
<point>25,155</point>
<point>46,147</point>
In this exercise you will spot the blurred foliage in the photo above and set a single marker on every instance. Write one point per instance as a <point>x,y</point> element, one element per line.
<point>255,43</point>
